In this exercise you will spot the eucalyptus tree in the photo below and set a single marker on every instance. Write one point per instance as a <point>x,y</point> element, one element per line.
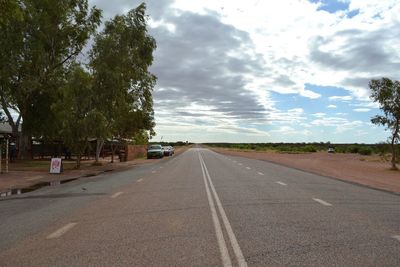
<point>119,60</point>
<point>39,40</point>
<point>76,110</point>
<point>387,93</point>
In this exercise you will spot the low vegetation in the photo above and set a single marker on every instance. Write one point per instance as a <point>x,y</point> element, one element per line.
<point>363,149</point>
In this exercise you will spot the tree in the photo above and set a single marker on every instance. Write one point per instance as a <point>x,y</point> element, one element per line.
<point>119,61</point>
<point>387,93</point>
<point>76,111</point>
<point>40,39</point>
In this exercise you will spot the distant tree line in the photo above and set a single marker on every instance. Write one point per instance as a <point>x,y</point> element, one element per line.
<point>53,91</point>
<point>362,149</point>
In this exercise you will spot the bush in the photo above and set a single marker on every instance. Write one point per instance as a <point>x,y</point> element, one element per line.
<point>365,151</point>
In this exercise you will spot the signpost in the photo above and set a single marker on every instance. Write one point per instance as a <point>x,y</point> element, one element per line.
<point>56,165</point>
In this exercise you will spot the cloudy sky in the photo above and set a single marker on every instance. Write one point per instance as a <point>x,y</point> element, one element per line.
<point>269,71</point>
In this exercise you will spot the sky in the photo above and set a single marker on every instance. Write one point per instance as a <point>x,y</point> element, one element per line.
<point>269,71</point>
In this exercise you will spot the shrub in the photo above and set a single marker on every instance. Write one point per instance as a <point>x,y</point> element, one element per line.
<point>365,151</point>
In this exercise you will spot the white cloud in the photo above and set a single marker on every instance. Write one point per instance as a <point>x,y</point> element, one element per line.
<point>362,109</point>
<point>341,98</point>
<point>331,106</point>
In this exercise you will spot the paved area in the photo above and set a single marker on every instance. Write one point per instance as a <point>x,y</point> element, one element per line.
<point>365,170</point>
<point>202,208</point>
<point>14,180</point>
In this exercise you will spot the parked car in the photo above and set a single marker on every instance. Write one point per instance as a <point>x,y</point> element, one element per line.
<point>168,151</point>
<point>331,150</point>
<point>155,151</point>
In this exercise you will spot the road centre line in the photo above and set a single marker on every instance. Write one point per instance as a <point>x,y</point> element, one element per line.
<point>61,231</point>
<point>320,201</point>
<point>235,245</point>
<point>117,194</point>
<point>281,183</point>
<point>260,173</point>
<point>140,180</point>
<point>397,237</point>
<point>226,260</point>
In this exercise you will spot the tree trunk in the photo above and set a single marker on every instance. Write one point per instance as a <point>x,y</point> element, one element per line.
<point>99,147</point>
<point>78,160</point>
<point>394,167</point>
<point>112,152</point>
<point>24,146</point>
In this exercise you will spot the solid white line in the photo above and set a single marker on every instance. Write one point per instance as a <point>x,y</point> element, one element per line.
<point>235,245</point>
<point>248,168</point>
<point>396,237</point>
<point>61,231</point>
<point>260,173</point>
<point>320,201</point>
<point>116,194</point>
<point>226,260</point>
<point>281,183</point>
<point>139,180</point>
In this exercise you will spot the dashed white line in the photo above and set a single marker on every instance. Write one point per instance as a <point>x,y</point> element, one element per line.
<point>281,183</point>
<point>397,237</point>
<point>117,194</point>
<point>61,231</point>
<point>240,164</point>
<point>140,180</point>
<point>320,201</point>
<point>260,173</point>
<point>248,168</point>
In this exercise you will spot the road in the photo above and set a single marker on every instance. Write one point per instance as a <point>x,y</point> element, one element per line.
<point>201,208</point>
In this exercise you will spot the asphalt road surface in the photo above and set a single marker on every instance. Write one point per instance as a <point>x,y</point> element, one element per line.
<point>202,209</point>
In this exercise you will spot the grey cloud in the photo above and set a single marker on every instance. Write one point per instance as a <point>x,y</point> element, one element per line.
<point>155,8</point>
<point>197,59</point>
<point>362,51</point>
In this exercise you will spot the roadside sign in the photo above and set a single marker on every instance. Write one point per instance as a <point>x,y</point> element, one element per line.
<point>56,165</point>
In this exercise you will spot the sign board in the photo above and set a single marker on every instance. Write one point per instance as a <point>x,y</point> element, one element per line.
<point>56,165</point>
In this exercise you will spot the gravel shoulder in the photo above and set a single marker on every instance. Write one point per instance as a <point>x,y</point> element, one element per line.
<point>363,170</point>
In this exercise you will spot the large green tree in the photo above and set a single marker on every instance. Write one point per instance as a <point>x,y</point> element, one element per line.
<point>387,93</point>
<point>76,110</point>
<point>39,40</point>
<point>119,60</point>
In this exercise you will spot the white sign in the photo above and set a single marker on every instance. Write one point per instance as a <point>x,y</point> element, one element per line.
<point>56,165</point>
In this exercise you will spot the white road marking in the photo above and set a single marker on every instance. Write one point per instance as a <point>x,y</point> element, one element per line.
<point>240,164</point>
<point>397,237</point>
<point>235,245</point>
<point>139,180</point>
<point>281,183</point>
<point>226,260</point>
<point>117,194</point>
<point>153,171</point>
<point>248,168</point>
<point>320,201</point>
<point>161,167</point>
<point>61,231</point>
<point>260,173</point>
